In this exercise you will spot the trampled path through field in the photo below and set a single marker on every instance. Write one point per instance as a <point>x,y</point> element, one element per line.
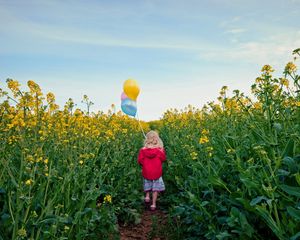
<point>150,227</point>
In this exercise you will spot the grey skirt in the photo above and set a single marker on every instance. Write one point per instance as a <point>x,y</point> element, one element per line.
<point>154,185</point>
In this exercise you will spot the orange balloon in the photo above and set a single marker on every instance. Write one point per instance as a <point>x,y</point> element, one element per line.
<point>131,89</point>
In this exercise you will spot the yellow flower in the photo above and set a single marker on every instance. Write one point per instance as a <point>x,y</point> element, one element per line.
<point>205,132</point>
<point>257,105</point>
<point>22,232</point>
<point>258,80</point>
<point>107,198</point>
<point>13,85</point>
<point>50,97</point>
<point>203,140</point>
<point>109,134</point>
<point>284,82</point>
<point>28,182</point>
<point>267,69</point>
<point>46,161</point>
<point>81,162</point>
<point>34,87</point>
<point>290,67</point>
<point>275,87</point>
<point>53,107</point>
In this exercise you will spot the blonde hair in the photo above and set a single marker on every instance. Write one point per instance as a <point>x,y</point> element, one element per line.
<point>153,140</point>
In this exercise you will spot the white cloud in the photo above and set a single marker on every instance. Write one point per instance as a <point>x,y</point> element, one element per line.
<point>274,50</point>
<point>236,30</point>
<point>22,28</point>
<point>230,22</point>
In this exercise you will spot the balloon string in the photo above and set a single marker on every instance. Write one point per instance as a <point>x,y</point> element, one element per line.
<point>140,124</point>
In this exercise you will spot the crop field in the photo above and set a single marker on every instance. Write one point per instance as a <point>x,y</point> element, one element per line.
<point>232,169</point>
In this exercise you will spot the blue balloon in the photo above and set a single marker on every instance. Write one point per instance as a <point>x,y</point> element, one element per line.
<point>128,106</point>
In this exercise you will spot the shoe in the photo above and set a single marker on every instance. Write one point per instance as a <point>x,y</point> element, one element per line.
<point>147,200</point>
<point>152,207</point>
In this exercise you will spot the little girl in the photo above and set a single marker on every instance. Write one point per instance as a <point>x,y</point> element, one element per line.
<point>151,157</point>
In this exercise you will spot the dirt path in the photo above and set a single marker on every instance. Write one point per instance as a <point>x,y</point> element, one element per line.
<point>151,227</point>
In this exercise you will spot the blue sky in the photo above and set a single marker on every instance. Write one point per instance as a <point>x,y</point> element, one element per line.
<point>180,51</point>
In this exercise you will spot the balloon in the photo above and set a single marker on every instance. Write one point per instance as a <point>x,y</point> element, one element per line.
<point>123,96</point>
<point>131,88</point>
<point>128,106</point>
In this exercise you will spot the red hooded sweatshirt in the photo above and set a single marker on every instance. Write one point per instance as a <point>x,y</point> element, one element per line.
<point>151,160</point>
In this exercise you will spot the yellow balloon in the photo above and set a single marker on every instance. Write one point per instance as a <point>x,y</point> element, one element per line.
<point>131,89</point>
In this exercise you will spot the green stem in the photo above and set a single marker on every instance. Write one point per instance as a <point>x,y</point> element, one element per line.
<point>276,216</point>
<point>17,211</point>
<point>47,186</point>
<point>10,208</point>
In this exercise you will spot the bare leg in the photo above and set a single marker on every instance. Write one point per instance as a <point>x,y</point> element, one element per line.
<point>154,198</point>
<point>147,197</point>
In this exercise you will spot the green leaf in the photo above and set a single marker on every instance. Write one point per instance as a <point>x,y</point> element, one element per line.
<point>297,177</point>
<point>291,163</point>
<point>288,161</point>
<point>295,191</point>
<point>179,210</point>
<point>48,219</point>
<point>294,213</point>
<point>247,228</point>
<point>216,181</point>
<point>249,183</point>
<point>296,236</point>
<point>289,149</point>
<point>86,210</point>
<point>223,235</point>
<point>269,221</point>
<point>282,172</point>
<point>204,203</point>
<point>234,212</point>
<point>245,203</point>
<point>257,200</point>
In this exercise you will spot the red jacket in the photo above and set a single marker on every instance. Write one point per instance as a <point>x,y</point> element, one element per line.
<point>151,160</point>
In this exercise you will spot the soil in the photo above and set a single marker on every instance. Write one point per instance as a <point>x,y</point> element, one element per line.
<point>150,227</point>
